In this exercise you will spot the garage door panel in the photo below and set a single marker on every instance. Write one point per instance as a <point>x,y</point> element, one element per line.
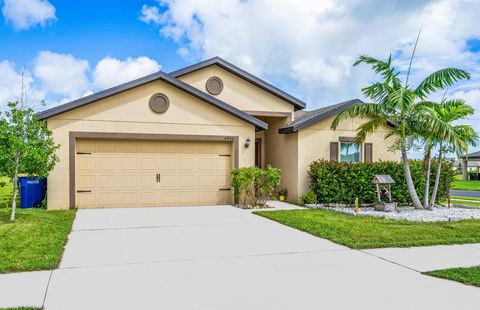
<point>147,198</point>
<point>129,181</point>
<point>129,147</point>
<point>87,200</point>
<point>147,163</point>
<point>206,163</point>
<point>186,163</point>
<point>222,163</point>
<point>224,197</point>
<point>187,181</point>
<point>207,181</point>
<point>124,173</point>
<point>129,199</point>
<point>108,146</point>
<point>167,197</point>
<point>147,180</point>
<point>169,163</point>
<point>186,198</point>
<point>86,162</point>
<point>129,163</point>
<point>107,181</point>
<point>222,180</point>
<point>107,162</point>
<point>87,181</point>
<point>108,199</point>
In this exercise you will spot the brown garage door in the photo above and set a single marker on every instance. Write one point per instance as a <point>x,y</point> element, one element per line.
<point>124,173</point>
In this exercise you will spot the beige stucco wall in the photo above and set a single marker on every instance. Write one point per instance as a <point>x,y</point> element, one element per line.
<point>128,112</point>
<point>281,151</point>
<point>237,91</point>
<point>314,143</point>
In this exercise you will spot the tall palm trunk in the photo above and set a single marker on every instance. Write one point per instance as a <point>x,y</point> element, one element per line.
<point>437,179</point>
<point>427,178</point>
<point>408,176</point>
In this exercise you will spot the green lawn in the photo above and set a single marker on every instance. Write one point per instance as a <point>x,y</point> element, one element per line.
<point>465,201</point>
<point>465,185</point>
<point>370,232</point>
<point>469,276</point>
<point>36,239</point>
<point>5,192</point>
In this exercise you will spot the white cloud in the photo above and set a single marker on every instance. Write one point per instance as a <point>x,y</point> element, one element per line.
<point>111,71</point>
<point>150,14</point>
<point>62,74</point>
<point>312,46</point>
<point>60,78</point>
<point>11,86</point>
<point>23,14</point>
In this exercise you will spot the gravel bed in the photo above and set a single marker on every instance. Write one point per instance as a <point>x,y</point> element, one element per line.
<point>438,214</point>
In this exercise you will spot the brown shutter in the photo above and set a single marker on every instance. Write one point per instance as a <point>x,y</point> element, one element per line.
<point>368,152</point>
<point>333,151</point>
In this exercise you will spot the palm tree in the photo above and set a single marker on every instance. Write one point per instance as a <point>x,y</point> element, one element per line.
<point>449,111</point>
<point>402,107</point>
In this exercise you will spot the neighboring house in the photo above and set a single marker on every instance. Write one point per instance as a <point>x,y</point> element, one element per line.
<point>173,139</point>
<point>468,163</point>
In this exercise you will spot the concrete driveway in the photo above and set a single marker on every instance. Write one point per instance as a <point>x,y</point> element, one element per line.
<point>225,258</point>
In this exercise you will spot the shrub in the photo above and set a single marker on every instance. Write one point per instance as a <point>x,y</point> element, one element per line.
<point>335,182</point>
<point>308,198</point>
<point>3,184</point>
<point>253,186</point>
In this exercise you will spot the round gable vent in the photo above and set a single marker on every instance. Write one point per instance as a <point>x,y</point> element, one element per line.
<point>214,85</point>
<point>159,103</point>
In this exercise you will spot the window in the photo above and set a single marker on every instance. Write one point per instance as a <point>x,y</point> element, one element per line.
<point>349,152</point>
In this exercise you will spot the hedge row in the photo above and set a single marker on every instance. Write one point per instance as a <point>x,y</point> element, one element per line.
<point>335,182</point>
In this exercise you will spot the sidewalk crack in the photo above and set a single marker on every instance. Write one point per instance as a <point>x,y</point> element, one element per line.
<point>46,289</point>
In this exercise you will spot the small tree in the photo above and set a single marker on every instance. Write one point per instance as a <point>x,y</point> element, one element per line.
<point>26,146</point>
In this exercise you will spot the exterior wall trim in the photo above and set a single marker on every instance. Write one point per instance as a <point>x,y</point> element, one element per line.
<point>73,135</point>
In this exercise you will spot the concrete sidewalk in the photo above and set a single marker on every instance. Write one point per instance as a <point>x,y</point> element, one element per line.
<point>24,288</point>
<point>431,258</point>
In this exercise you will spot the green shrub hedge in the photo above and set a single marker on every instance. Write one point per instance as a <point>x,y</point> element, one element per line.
<point>335,182</point>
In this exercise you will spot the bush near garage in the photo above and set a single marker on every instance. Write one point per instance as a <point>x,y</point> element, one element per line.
<point>336,182</point>
<point>253,186</point>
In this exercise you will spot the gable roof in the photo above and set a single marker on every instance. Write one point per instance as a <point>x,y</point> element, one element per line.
<point>297,103</point>
<point>147,79</point>
<point>306,118</point>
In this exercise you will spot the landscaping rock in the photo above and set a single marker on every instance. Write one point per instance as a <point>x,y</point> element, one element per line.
<point>438,214</point>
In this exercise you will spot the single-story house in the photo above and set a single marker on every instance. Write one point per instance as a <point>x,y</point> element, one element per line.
<point>470,162</point>
<point>172,139</point>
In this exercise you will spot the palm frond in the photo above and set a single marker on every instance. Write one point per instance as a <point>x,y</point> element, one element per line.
<point>377,91</point>
<point>364,110</point>
<point>454,109</point>
<point>440,80</point>
<point>369,127</point>
<point>381,67</point>
<point>402,98</point>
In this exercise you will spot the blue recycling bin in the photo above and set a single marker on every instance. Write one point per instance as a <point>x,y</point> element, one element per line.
<point>32,192</point>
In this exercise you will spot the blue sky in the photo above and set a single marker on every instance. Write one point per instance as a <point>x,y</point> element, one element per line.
<point>91,30</point>
<point>71,49</point>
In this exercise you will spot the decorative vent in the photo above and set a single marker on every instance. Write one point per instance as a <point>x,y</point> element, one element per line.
<point>159,103</point>
<point>214,85</point>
